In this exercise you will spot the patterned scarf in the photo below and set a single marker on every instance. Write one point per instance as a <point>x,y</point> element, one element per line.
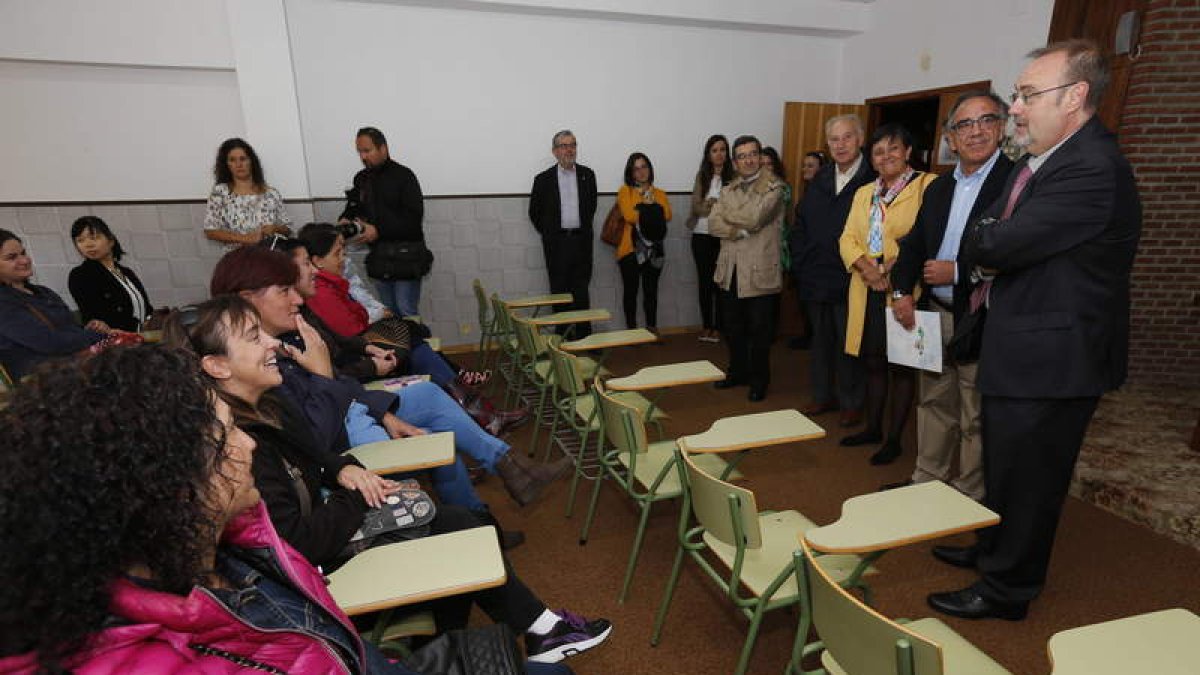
<point>880,200</point>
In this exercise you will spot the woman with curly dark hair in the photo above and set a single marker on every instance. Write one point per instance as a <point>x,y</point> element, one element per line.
<point>242,208</point>
<point>239,356</point>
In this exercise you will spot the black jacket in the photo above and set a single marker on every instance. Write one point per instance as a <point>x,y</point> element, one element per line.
<point>820,218</point>
<point>36,327</point>
<point>925,238</point>
<point>100,296</point>
<point>545,209</point>
<point>389,197</point>
<point>321,535</point>
<point>1058,311</point>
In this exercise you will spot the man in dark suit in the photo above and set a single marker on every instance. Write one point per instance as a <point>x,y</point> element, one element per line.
<point>822,281</point>
<point>561,206</point>
<point>1060,243</point>
<point>948,409</point>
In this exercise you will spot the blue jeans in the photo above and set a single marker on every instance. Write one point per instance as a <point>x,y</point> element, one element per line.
<point>424,361</point>
<point>451,482</point>
<point>425,405</point>
<point>402,296</point>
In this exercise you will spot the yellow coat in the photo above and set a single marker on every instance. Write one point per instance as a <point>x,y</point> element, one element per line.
<point>897,221</point>
<point>627,200</point>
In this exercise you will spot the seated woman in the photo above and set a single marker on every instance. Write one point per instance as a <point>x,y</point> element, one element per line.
<point>103,288</point>
<point>35,324</point>
<point>267,280</point>
<point>331,300</point>
<point>169,564</point>
<point>240,356</point>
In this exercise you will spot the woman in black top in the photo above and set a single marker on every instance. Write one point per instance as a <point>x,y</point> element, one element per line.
<point>102,287</point>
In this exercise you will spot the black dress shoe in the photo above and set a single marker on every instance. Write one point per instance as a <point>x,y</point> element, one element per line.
<point>729,383</point>
<point>969,604</point>
<point>756,394</point>
<point>865,437</point>
<point>887,454</point>
<point>959,556</point>
<point>898,484</point>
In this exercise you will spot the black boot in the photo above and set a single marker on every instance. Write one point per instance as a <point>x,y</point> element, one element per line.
<point>509,539</point>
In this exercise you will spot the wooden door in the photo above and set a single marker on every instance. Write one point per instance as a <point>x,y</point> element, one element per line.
<point>804,132</point>
<point>1097,20</point>
<point>940,158</point>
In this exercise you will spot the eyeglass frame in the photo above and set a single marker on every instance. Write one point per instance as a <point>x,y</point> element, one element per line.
<point>985,121</point>
<point>1024,98</point>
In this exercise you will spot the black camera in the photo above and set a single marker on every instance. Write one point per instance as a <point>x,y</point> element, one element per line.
<point>351,229</point>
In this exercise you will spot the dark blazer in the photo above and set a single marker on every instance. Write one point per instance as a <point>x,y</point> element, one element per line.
<point>321,534</point>
<point>389,197</point>
<point>820,218</point>
<point>37,327</point>
<point>545,211</point>
<point>925,238</point>
<point>1058,311</point>
<point>100,296</point>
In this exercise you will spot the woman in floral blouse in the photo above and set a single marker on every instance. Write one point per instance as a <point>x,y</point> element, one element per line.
<point>242,208</point>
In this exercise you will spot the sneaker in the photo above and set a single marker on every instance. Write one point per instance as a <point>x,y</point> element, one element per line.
<point>572,635</point>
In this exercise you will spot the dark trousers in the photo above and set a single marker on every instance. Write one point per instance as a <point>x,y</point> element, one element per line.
<point>834,375</point>
<point>749,327</point>
<point>631,274</point>
<point>1029,452</point>
<point>704,252</point>
<point>569,266</point>
<point>512,603</point>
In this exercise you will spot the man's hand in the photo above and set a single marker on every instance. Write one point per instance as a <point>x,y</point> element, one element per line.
<point>373,488</point>
<point>398,428</point>
<point>369,235</point>
<point>938,272</point>
<point>902,309</point>
<point>315,357</point>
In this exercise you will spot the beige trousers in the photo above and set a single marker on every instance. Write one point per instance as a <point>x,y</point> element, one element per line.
<point>948,423</point>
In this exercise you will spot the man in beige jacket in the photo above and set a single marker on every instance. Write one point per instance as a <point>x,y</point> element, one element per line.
<point>748,219</point>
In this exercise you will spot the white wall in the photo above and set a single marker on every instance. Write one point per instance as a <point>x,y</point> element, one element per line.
<point>470,100</point>
<point>115,100</point>
<point>964,42</point>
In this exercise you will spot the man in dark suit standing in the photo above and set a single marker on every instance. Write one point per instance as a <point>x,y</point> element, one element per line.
<point>561,206</point>
<point>948,409</point>
<point>1060,243</point>
<point>822,281</point>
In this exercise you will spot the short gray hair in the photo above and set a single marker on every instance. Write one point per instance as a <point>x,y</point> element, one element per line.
<point>1085,63</point>
<point>849,117</point>
<point>559,136</point>
<point>971,94</point>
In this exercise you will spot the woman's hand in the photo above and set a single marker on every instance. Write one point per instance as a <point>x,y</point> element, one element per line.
<point>398,428</point>
<point>99,326</point>
<point>873,275</point>
<point>384,359</point>
<point>373,488</point>
<point>315,357</point>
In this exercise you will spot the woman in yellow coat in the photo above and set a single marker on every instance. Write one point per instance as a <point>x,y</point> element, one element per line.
<point>640,255</point>
<point>882,213</point>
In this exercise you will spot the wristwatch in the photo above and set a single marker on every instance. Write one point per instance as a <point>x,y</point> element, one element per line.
<point>896,295</point>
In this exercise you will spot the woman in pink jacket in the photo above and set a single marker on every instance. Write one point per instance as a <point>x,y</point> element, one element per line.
<point>135,540</point>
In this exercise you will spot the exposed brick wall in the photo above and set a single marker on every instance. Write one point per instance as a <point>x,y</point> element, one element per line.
<point>1160,132</point>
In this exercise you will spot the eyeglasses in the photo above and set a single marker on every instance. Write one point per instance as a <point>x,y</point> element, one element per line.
<point>566,145</point>
<point>276,240</point>
<point>1024,98</point>
<point>984,122</point>
<point>747,155</point>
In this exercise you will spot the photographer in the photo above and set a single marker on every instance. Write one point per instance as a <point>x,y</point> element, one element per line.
<point>384,210</point>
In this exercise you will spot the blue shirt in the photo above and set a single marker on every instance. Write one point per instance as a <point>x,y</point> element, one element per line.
<point>966,190</point>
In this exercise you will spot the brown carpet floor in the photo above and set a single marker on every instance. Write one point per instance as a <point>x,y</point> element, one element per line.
<point>1104,567</point>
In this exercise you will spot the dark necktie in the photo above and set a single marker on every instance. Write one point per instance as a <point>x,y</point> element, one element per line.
<point>980,294</point>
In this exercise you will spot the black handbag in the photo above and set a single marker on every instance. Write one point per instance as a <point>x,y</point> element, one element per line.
<point>399,260</point>
<point>486,650</point>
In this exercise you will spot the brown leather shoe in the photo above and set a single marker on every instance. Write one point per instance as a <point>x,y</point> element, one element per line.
<point>525,479</point>
<point>851,418</point>
<point>816,408</point>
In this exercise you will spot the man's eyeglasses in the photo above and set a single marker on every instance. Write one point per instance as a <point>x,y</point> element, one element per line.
<point>566,145</point>
<point>985,122</point>
<point>1024,98</point>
